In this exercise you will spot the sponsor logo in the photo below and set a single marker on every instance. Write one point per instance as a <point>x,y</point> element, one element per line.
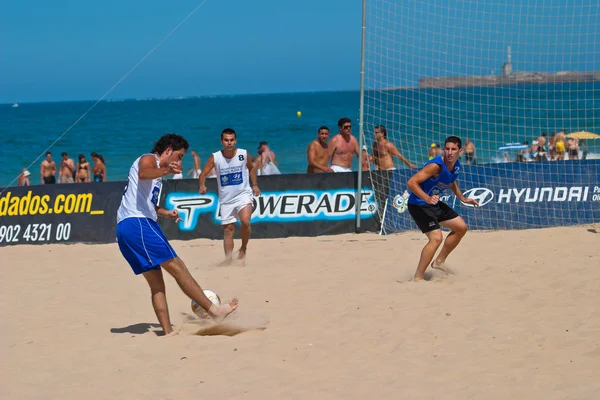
<point>481,195</point>
<point>310,206</point>
<point>400,202</point>
<point>35,204</point>
<point>190,206</point>
<point>544,194</point>
<point>289,206</point>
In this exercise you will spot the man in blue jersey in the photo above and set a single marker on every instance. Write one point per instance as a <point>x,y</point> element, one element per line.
<point>140,238</point>
<point>434,179</point>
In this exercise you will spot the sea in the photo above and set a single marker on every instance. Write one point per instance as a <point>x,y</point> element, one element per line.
<point>121,130</point>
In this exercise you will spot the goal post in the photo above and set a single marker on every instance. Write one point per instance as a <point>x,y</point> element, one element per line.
<point>518,81</point>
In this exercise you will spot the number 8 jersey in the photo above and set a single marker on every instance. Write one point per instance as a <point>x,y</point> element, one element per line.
<point>233,175</point>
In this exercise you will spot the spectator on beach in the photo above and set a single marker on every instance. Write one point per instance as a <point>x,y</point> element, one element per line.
<point>561,145</point>
<point>48,170</point>
<point>573,146</point>
<point>66,173</point>
<point>268,163</point>
<point>24,178</point>
<point>542,142</point>
<point>366,165</point>
<point>99,169</point>
<point>384,151</point>
<point>343,147</point>
<point>197,169</point>
<point>318,153</point>
<point>83,170</point>
<point>470,153</point>
<point>552,146</point>
<point>526,153</point>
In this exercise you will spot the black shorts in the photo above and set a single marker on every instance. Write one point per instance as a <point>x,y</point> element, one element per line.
<point>428,217</point>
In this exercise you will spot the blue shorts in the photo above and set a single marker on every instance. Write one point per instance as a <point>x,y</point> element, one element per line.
<point>143,244</point>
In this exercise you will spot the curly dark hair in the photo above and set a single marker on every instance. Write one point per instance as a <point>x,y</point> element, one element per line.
<point>172,140</point>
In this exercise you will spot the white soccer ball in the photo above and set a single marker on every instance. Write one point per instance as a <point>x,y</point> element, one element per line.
<point>199,311</point>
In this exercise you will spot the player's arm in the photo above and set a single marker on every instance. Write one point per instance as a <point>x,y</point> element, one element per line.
<point>458,193</point>
<point>312,156</point>
<point>393,150</point>
<point>210,164</point>
<point>415,181</point>
<point>147,169</point>
<point>252,173</point>
<point>42,173</point>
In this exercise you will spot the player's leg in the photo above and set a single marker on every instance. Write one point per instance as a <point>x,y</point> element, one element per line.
<point>458,229</point>
<point>425,218</point>
<point>434,240</point>
<point>192,289</point>
<point>244,215</point>
<point>228,230</point>
<point>159,298</point>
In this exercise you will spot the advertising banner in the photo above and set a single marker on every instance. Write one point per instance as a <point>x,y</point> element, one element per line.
<point>289,205</point>
<point>512,196</point>
<point>67,213</point>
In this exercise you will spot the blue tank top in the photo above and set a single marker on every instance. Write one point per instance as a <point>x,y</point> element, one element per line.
<point>439,186</point>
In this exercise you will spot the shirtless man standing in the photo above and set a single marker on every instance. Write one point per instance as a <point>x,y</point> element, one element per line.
<point>195,172</point>
<point>383,150</point>
<point>342,147</point>
<point>470,153</point>
<point>67,167</point>
<point>47,170</point>
<point>318,152</point>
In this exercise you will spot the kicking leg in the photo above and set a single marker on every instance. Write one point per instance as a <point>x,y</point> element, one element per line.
<point>435,239</point>
<point>159,298</point>
<point>245,215</point>
<point>228,242</point>
<point>192,289</point>
<point>458,229</point>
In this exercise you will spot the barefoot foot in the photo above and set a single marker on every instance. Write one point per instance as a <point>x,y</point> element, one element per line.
<point>440,266</point>
<point>219,313</point>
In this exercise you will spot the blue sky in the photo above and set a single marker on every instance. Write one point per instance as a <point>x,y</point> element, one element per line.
<point>71,50</point>
<point>76,50</point>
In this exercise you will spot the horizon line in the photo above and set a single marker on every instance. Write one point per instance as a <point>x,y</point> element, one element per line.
<point>181,97</point>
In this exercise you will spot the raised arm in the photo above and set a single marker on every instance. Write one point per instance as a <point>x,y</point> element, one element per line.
<point>149,170</point>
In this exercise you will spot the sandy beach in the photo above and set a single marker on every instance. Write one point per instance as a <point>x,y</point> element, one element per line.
<point>320,318</point>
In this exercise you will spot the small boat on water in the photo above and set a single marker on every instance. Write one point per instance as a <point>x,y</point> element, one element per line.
<point>15,105</point>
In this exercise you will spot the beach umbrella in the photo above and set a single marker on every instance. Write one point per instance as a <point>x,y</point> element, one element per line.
<point>583,135</point>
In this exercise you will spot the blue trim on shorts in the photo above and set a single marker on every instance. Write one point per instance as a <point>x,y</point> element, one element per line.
<point>143,244</point>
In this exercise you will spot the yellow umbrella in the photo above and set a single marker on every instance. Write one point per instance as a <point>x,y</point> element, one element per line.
<point>583,135</point>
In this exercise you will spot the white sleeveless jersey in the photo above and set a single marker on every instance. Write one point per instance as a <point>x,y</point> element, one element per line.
<point>232,177</point>
<point>141,196</point>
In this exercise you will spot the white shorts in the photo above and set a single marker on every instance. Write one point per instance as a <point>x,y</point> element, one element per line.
<point>196,173</point>
<point>230,213</point>
<point>337,168</point>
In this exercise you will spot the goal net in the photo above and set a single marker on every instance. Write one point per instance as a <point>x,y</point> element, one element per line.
<point>518,79</point>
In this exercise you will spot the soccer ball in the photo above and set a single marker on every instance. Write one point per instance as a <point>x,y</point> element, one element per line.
<point>199,311</point>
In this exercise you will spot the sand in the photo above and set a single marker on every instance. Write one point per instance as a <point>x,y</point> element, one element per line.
<point>320,318</point>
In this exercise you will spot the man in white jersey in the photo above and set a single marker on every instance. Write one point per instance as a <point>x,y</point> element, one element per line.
<point>140,238</point>
<point>234,169</point>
